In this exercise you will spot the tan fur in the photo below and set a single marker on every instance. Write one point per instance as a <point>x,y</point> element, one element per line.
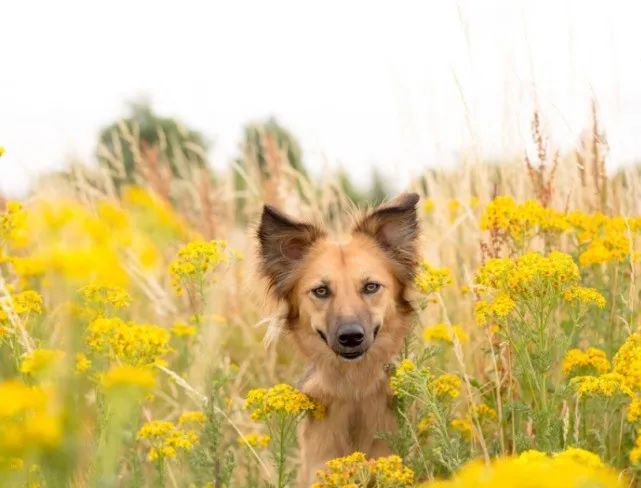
<point>355,393</point>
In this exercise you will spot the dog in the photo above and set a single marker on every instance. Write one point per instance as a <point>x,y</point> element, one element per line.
<point>348,314</point>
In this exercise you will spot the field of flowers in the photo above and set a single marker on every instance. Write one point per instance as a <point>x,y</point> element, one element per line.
<point>139,348</point>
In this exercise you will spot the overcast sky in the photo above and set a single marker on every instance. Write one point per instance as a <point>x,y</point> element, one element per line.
<point>397,84</point>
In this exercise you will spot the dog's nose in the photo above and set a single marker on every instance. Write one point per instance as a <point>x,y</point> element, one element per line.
<point>351,335</point>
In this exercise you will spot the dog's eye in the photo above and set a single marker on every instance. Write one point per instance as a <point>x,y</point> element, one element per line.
<point>321,291</point>
<point>371,287</point>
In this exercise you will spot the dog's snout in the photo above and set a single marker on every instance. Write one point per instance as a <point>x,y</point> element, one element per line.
<point>351,335</point>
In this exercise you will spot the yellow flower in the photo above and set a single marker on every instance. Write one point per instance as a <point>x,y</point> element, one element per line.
<point>428,205</point>
<point>635,453</point>
<point>83,363</point>
<point>453,207</point>
<point>573,468</point>
<point>584,295</point>
<point>129,342</point>
<point>2,150</point>
<point>581,456</point>
<point>390,469</point>
<point>28,419</point>
<point>254,440</point>
<point>446,385</point>
<point>483,412</point>
<point>592,358</point>
<point>634,410</point>
<point>128,377</point>
<point>40,360</point>
<point>181,329</point>
<point>355,470</point>
<point>464,426</point>
<point>530,275</point>
<point>444,333</point>
<point>430,279</point>
<point>627,361</point>
<point>166,439</point>
<point>101,297</point>
<point>407,378</point>
<point>194,260</point>
<point>281,399</point>
<point>607,385</point>
<point>23,304</point>
<point>194,417</point>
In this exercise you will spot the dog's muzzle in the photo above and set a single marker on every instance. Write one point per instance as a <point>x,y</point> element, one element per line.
<point>351,341</point>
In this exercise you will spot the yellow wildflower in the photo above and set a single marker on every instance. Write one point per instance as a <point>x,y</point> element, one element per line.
<point>129,342</point>
<point>166,439</point>
<point>40,360</point>
<point>23,304</point>
<point>430,279</point>
<point>428,205</point>
<point>584,295</point>
<point>534,469</point>
<point>254,440</point>
<point>446,385</point>
<point>193,417</point>
<point>483,412</point>
<point>606,385</point>
<point>453,207</point>
<point>28,419</point>
<point>128,377</point>
<point>181,329</point>
<point>581,456</point>
<point>83,363</point>
<point>407,378</point>
<point>2,151</point>
<point>464,426</point>
<point>634,410</point>
<point>102,298</point>
<point>627,361</point>
<point>443,333</point>
<point>281,399</point>
<point>390,470</point>
<point>194,260</point>
<point>592,358</point>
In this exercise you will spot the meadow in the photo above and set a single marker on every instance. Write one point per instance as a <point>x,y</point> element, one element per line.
<point>138,346</point>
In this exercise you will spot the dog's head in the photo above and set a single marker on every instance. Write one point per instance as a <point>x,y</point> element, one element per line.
<point>346,299</point>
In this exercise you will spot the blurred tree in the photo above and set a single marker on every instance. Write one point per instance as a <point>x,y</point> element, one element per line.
<point>377,192</point>
<point>269,151</point>
<point>145,145</point>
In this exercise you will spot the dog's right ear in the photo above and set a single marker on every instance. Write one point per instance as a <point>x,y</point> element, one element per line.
<point>283,244</point>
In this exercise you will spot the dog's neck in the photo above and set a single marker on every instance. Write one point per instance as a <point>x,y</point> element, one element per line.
<point>345,381</point>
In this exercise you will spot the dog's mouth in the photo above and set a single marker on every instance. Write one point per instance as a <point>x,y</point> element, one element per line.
<point>351,356</point>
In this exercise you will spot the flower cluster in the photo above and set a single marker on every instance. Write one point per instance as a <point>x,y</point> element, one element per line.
<point>127,377</point>
<point>606,385</point>
<point>11,223</point>
<point>103,299</point>
<point>129,342</point>
<point>406,379</point>
<point>281,399</point>
<point>165,439</point>
<point>570,468</point>
<point>444,333</point>
<point>592,359</point>
<point>627,361</point>
<point>254,439</point>
<point>194,261</point>
<point>531,274</point>
<point>521,221</point>
<point>585,295</point>
<point>446,386</point>
<point>356,470</point>
<point>40,360</point>
<point>28,419</point>
<point>430,279</point>
<point>23,304</point>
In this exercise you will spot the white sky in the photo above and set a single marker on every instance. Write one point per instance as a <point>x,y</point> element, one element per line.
<point>359,83</point>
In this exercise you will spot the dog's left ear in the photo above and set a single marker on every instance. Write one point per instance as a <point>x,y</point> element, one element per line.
<point>283,245</point>
<point>394,227</point>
